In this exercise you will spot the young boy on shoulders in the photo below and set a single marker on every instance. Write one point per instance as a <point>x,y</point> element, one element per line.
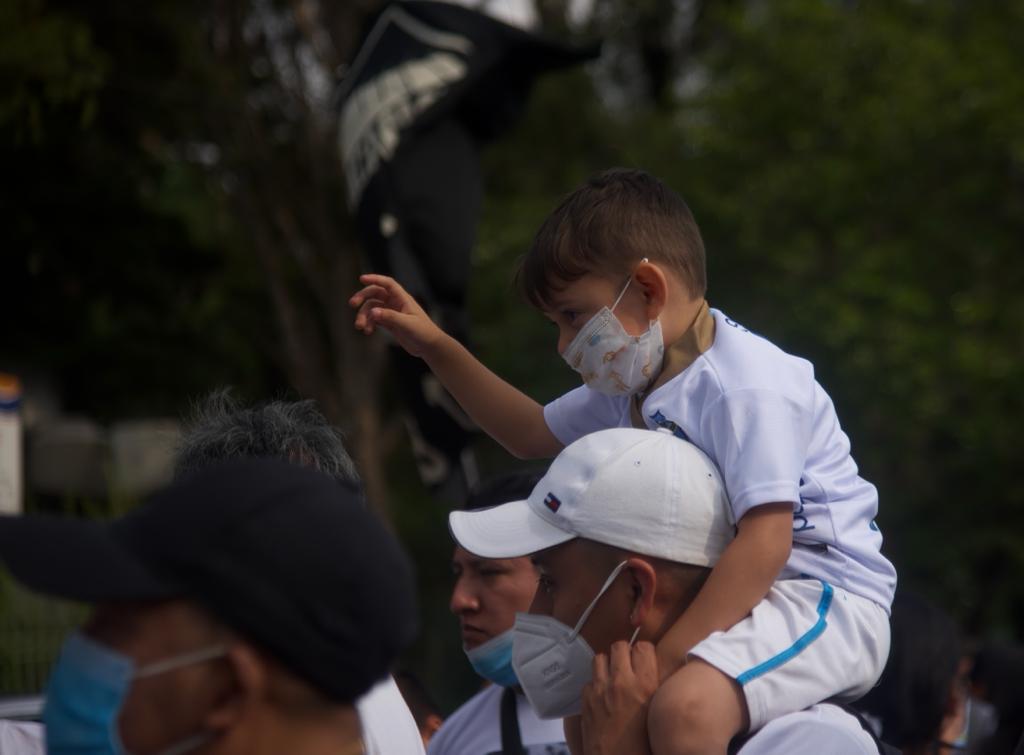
<point>796,610</point>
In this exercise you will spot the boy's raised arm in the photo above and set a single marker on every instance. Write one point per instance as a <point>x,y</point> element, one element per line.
<point>504,412</point>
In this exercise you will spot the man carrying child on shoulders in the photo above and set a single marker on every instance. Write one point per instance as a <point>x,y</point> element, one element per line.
<point>795,609</point>
<point>614,579</point>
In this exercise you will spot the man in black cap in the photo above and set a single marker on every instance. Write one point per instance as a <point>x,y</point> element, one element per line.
<point>221,428</point>
<point>242,610</point>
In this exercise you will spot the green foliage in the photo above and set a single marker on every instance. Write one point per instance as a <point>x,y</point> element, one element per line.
<point>857,172</point>
<point>127,275</point>
<point>32,629</point>
<point>48,64</point>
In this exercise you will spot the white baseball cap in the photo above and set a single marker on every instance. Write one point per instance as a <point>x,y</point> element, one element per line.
<point>644,491</point>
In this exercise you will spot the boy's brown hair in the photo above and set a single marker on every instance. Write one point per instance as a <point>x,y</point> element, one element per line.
<point>605,227</point>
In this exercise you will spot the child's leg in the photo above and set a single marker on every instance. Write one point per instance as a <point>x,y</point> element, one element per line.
<point>807,641</point>
<point>697,710</point>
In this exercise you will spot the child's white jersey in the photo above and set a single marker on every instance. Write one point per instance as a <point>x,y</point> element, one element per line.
<point>772,430</point>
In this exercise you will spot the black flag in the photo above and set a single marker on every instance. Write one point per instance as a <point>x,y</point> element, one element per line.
<point>431,82</point>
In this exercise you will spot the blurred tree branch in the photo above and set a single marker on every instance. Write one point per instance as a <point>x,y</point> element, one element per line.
<point>281,170</point>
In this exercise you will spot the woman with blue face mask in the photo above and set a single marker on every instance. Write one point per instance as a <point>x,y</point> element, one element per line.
<point>486,595</point>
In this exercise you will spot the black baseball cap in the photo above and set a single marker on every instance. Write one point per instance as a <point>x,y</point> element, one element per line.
<point>285,555</point>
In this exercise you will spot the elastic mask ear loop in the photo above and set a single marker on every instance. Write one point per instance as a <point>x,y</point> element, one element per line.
<point>187,659</point>
<point>632,640</point>
<point>623,291</point>
<point>621,294</point>
<point>195,741</point>
<point>187,745</point>
<point>604,588</point>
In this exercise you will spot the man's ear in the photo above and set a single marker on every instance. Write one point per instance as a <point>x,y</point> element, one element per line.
<point>248,685</point>
<point>654,285</point>
<point>644,583</point>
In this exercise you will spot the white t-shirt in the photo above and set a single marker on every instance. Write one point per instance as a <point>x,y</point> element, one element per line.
<point>388,725</point>
<point>822,728</point>
<point>475,728</point>
<point>772,430</point>
<point>21,738</point>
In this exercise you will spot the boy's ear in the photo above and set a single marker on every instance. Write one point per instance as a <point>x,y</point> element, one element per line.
<point>652,281</point>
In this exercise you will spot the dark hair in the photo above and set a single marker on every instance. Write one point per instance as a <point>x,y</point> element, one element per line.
<point>998,671</point>
<point>512,486</point>
<point>421,703</point>
<point>605,227</point>
<point>912,696</point>
<point>220,428</point>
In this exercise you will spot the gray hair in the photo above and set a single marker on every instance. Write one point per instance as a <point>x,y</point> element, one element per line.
<point>221,428</point>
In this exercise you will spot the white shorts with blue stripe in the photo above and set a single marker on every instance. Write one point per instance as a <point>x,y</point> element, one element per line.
<point>805,643</point>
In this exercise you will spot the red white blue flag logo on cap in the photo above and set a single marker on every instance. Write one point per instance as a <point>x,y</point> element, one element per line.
<point>552,502</point>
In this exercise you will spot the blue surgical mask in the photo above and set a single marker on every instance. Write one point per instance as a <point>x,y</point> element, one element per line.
<point>86,690</point>
<point>493,660</point>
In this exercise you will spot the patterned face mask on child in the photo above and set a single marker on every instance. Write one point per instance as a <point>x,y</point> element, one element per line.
<point>609,359</point>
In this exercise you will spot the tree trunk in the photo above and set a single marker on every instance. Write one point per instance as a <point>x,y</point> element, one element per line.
<point>279,155</point>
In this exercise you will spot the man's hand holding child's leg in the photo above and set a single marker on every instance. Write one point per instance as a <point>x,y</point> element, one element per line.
<point>616,701</point>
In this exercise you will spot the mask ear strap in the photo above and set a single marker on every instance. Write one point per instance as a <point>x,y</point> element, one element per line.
<point>179,661</point>
<point>623,291</point>
<point>187,745</point>
<point>636,631</point>
<point>604,588</point>
<point>632,640</point>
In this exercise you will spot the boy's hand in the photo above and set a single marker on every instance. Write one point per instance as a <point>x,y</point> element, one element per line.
<point>384,303</point>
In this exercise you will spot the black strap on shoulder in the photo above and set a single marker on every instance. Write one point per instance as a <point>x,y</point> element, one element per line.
<point>511,742</point>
